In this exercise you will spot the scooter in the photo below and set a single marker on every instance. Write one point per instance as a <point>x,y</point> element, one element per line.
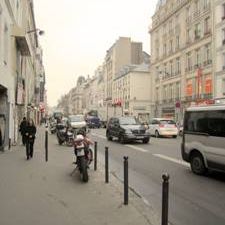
<point>64,135</point>
<point>84,157</point>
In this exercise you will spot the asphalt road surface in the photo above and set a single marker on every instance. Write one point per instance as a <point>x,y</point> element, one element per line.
<point>193,200</point>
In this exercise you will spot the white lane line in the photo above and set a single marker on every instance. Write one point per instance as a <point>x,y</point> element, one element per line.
<point>178,161</point>
<point>98,135</point>
<point>137,148</point>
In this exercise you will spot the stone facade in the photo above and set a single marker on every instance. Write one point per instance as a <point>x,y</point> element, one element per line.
<point>181,53</point>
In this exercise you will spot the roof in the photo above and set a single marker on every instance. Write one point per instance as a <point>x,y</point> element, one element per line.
<point>159,4</point>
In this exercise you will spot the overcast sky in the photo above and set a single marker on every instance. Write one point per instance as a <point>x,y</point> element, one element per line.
<point>79,32</point>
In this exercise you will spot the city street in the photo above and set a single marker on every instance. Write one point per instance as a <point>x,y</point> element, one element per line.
<point>193,200</point>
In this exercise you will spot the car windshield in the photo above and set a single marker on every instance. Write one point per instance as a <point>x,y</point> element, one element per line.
<point>167,122</point>
<point>77,118</point>
<point>128,121</point>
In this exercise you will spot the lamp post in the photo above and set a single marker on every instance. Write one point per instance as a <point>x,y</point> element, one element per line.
<point>39,31</point>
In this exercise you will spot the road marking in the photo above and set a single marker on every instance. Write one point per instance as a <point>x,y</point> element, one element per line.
<point>178,161</point>
<point>98,135</point>
<point>137,148</point>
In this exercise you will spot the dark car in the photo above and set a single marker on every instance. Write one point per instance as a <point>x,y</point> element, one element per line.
<point>93,122</point>
<point>127,128</point>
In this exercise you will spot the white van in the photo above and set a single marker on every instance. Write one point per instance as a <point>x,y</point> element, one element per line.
<point>203,143</point>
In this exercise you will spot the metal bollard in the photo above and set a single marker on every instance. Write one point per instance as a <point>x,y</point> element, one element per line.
<point>165,198</point>
<point>95,158</point>
<point>126,186</point>
<point>46,143</point>
<point>107,164</point>
<point>9,147</point>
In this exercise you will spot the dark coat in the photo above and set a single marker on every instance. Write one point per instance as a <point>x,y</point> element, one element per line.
<point>30,132</point>
<point>23,127</point>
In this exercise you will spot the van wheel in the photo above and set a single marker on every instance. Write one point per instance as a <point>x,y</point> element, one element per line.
<point>197,164</point>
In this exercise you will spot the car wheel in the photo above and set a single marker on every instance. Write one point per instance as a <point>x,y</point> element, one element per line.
<point>121,139</point>
<point>197,164</point>
<point>109,138</point>
<point>146,140</point>
<point>174,136</point>
<point>157,134</point>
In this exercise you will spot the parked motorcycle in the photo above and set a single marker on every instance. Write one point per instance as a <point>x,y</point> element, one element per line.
<point>84,156</point>
<point>52,127</point>
<point>64,135</point>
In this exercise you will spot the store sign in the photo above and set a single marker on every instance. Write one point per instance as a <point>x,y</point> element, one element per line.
<point>189,89</point>
<point>208,86</point>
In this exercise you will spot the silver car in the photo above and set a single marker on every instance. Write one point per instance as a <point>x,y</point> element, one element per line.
<point>163,127</point>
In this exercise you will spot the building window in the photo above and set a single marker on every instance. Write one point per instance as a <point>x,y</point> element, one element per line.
<point>189,61</point>
<point>177,42</point>
<point>171,46</point>
<point>223,87</point>
<point>223,34</point>
<point>164,49</point>
<point>197,58</point>
<point>177,90</point>
<point>207,25</point>
<point>207,54</point>
<point>223,11</point>
<point>197,31</point>
<point>165,69</point>
<point>157,95</point>
<point>223,62</point>
<point>171,69</point>
<point>178,65</point>
<point>188,35</point>
<point>206,4</point>
<point>6,44</point>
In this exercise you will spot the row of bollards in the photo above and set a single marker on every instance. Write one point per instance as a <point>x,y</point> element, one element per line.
<point>165,177</point>
<point>165,183</point>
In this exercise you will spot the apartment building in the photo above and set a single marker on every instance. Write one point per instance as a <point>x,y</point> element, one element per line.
<point>94,92</point>
<point>20,67</point>
<point>122,52</point>
<point>181,53</point>
<point>131,92</point>
<point>219,47</point>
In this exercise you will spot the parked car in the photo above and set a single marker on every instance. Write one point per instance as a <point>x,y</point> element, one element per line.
<point>204,138</point>
<point>127,128</point>
<point>76,122</point>
<point>163,127</point>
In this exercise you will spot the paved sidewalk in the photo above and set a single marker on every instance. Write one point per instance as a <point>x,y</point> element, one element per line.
<point>39,193</point>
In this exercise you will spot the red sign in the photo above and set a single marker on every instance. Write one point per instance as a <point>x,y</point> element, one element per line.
<point>189,89</point>
<point>208,86</point>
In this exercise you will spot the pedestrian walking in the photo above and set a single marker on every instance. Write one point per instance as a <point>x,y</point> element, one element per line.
<point>30,133</point>
<point>23,125</point>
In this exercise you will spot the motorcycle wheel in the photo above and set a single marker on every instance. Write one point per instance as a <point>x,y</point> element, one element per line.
<point>83,170</point>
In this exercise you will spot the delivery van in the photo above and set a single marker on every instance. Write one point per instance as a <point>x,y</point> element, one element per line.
<point>203,141</point>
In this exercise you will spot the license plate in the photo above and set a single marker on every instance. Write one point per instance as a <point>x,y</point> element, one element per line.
<point>80,152</point>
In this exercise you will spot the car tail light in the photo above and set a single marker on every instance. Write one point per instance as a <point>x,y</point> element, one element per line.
<point>161,125</point>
